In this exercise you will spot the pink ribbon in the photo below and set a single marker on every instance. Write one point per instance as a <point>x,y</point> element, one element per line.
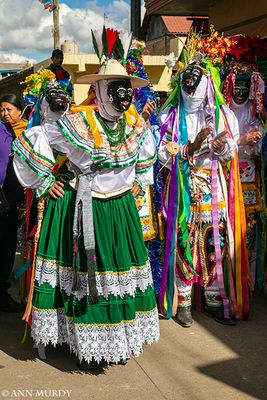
<point>214,203</point>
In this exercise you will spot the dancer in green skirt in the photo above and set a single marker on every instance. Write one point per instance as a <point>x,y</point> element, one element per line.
<point>93,287</point>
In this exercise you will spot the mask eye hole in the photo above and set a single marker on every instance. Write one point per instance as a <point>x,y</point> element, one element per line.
<point>239,91</point>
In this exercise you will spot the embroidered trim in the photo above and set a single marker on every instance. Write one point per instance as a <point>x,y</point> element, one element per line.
<point>40,164</point>
<point>206,216</point>
<point>145,164</point>
<point>206,207</point>
<point>145,210</point>
<point>76,128</point>
<point>45,187</point>
<point>109,342</point>
<point>107,283</point>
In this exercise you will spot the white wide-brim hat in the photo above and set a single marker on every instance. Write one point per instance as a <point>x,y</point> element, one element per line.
<point>113,70</point>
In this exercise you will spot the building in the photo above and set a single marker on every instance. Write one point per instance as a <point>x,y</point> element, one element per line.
<point>82,64</point>
<point>165,34</point>
<point>11,83</point>
<point>228,16</point>
<point>7,69</point>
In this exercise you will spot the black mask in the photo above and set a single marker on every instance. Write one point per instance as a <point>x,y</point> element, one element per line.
<point>120,94</point>
<point>57,99</point>
<point>191,78</point>
<point>241,91</point>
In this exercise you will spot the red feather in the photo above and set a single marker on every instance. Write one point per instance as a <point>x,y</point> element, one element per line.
<point>111,36</point>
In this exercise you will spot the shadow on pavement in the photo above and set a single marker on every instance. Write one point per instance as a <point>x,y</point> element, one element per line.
<point>248,339</point>
<point>11,334</point>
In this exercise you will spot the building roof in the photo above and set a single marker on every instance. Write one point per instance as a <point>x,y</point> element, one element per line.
<point>254,27</point>
<point>177,7</point>
<point>11,67</point>
<point>177,24</point>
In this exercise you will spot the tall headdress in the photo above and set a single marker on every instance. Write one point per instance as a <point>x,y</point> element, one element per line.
<point>37,85</point>
<point>111,48</point>
<point>207,52</point>
<point>241,65</point>
<point>135,67</point>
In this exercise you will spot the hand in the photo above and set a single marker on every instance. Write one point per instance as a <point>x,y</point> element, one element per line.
<point>201,136</point>
<point>135,190</point>
<point>56,190</point>
<point>218,144</point>
<point>250,138</point>
<point>148,109</point>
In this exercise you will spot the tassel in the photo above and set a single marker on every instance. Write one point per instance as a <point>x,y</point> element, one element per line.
<point>75,282</point>
<point>76,236</point>
<point>93,293</point>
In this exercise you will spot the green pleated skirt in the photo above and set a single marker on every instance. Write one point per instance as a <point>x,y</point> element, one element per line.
<point>125,318</point>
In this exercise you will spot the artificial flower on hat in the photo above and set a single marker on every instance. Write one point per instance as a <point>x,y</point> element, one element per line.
<point>242,65</point>
<point>36,83</point>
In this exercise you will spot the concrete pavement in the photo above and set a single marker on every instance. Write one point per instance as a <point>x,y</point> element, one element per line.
<point>207,361</point>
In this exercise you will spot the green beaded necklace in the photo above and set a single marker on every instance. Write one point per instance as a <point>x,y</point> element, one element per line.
<point>115,136</point>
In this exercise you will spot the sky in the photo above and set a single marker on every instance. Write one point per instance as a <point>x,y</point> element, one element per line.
<point>26,27</point>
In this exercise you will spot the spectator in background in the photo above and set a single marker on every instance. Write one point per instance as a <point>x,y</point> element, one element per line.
<point>56,67</point>
<point>11,195</point>
<point>162,98</point>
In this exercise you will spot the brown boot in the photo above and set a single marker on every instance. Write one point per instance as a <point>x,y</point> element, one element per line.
<point>218,315</point>
<point>184,316</point>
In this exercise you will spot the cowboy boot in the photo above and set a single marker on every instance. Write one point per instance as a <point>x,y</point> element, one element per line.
<point>184,316</point>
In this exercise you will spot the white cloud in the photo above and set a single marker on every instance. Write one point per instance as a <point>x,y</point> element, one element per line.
<point>26,28</point>
<point>15,58</point>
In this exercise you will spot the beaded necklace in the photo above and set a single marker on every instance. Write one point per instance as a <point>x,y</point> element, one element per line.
<point>115,136</point>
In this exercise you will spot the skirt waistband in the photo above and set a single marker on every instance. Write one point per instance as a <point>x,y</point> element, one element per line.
<point>111,195</point>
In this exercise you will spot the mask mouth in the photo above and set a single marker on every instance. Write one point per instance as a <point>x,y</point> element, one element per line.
<point>240,100</point>
<point>125,103</point>
<point>123,106</point>
<point>58,106</point>
<point>188,80</point>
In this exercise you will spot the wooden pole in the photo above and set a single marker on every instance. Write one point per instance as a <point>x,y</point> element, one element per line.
<point>136,18</point>
<point>56,33</point>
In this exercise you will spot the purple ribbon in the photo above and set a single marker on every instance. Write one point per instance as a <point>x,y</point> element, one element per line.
<point>172,117</point>
<point>169,120</point>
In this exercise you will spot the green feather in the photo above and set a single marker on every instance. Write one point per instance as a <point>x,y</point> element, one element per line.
<point>105,42</point>
<point>119,48</point>
<point>184,56</point>
<point>95,45</point>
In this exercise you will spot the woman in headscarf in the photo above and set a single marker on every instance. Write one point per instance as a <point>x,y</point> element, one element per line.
<point>11,126</point>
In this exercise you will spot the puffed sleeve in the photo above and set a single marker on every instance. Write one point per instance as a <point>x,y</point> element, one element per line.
<point>34,160</point>
<point>59,142</point>
<point>146,158</point>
